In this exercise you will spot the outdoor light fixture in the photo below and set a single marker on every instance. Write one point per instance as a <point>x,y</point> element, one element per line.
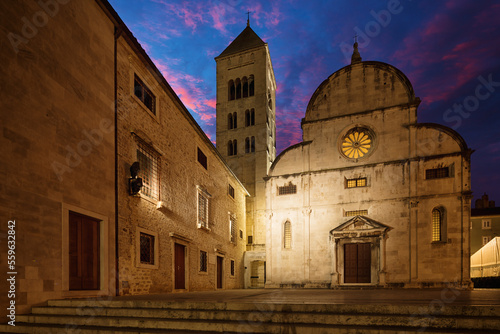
<point>134,182</point>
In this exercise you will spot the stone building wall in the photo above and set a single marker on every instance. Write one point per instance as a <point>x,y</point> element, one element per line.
<point>57,142</point>
<point>172,218</point>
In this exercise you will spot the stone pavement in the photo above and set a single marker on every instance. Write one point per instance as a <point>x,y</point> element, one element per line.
<point>329,296</point>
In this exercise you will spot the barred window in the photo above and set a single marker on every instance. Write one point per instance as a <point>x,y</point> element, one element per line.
<point>287,235</point>
<point>354,183</point>
<point>287,189</point>
<point>147,246</point>
<point>437,221</point>
<point>232,267</point>
<point>230,191</point>
<point>355,213</point>
<point>232,228</point>
<point>144,94</point>
<point>203,206</point>
<point>149,164</point>
<point>203,261</point>
<point>437,173</point>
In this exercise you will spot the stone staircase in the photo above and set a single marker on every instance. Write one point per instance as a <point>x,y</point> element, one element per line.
<point>155,316</point>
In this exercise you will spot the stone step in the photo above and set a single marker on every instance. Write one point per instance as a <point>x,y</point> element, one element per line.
<point>155,316</point>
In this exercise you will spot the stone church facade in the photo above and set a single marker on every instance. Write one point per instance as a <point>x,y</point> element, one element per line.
<point>370,196</point>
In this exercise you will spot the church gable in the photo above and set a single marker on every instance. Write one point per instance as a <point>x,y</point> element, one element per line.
<point>359,226</point>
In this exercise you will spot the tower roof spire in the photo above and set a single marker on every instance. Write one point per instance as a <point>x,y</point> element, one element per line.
<point>248,19</point>
<point>356,57</point>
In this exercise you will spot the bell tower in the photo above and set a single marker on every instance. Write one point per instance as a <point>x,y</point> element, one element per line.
<point>246,133</point>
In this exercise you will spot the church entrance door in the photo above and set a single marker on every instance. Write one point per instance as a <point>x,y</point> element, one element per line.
<point>357,263</point>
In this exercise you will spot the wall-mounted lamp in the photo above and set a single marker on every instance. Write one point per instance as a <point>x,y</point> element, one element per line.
<point>134,182</point>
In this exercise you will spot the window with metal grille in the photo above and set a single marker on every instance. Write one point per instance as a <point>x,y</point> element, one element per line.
<point>144,94</point>
<point>355,213</point>
<point>203,205</point>
<point>354,183</point>
<point>287,235</point>
<point>287,189</point>
<point>230,191</point>
<point>437,221</point>
<point>437,173</point>
<point>149,164</point>
<point>147,245</point>
<point>203,261</point>
<point>232,228</point>
<point>232,267</point>
<point>202,158</point>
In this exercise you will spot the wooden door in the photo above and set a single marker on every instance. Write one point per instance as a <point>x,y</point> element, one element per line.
<point>219,272</point>
<point>84,252</point>
<point>180,266</point>
<point>357,263</point>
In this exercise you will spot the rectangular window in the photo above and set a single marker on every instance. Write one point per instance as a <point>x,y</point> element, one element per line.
<point>486,224</point>
<point>250,239</point>
<point>202,158</point>
<point>437,173</point>
<point>355,213</point>
<point>144,94</point>
<point>203,206</point>
<point>287,189</point>
<point>241,234</point>
<point>203,261</point>
<point>354,183</point>
<point>149,164</point>
<point>147,245</point>
<point>486,240</point>
<point>230,191</point>
<point>232,228</point>
<point>232,267</point>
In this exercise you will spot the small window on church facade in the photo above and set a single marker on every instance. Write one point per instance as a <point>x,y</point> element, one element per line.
<point>437,173</point>
<point>149,163</point>
<point>437,221</point>
<point>203,261</point>
<point>230,191</point>
<point>287,235</point>
<point>142,92</point>
<point>287,189</point>
<point>232,228</point>
<point>355,213</point>
<point>354,183</point>
<point>147,247</point>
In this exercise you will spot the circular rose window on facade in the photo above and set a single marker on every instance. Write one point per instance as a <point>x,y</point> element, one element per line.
<point>357,143</point>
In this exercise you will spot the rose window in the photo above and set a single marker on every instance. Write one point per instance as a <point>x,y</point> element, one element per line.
<point>357,143</point>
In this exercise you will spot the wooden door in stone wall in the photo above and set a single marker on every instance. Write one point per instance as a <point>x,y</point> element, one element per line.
<point>84,254</point>
<point>180,266</point>
<point>357,263</point>
<point>220,271</point>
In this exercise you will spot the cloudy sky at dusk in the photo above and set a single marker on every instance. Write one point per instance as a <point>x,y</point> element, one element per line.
<point>450,51</point>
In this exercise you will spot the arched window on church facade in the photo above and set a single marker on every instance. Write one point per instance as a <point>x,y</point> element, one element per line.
<point>251,89</point>
<point>244,81</point>
<point>230,121</point>
<point>230,150</point>
<point>247,145</point>
<point>287,235</point>
<point>235,120</point>
<point>252,117</point>
<point>238,88</point>
<point>438,224</point>
<point>252,145</point>
<point>235,147</point>
<point>231,90</point>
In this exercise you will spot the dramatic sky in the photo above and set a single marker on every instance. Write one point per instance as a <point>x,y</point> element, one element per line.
<point>450,51</point>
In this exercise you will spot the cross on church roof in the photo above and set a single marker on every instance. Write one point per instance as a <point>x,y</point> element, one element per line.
<point>248,19</point>
<point>355,37</point>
